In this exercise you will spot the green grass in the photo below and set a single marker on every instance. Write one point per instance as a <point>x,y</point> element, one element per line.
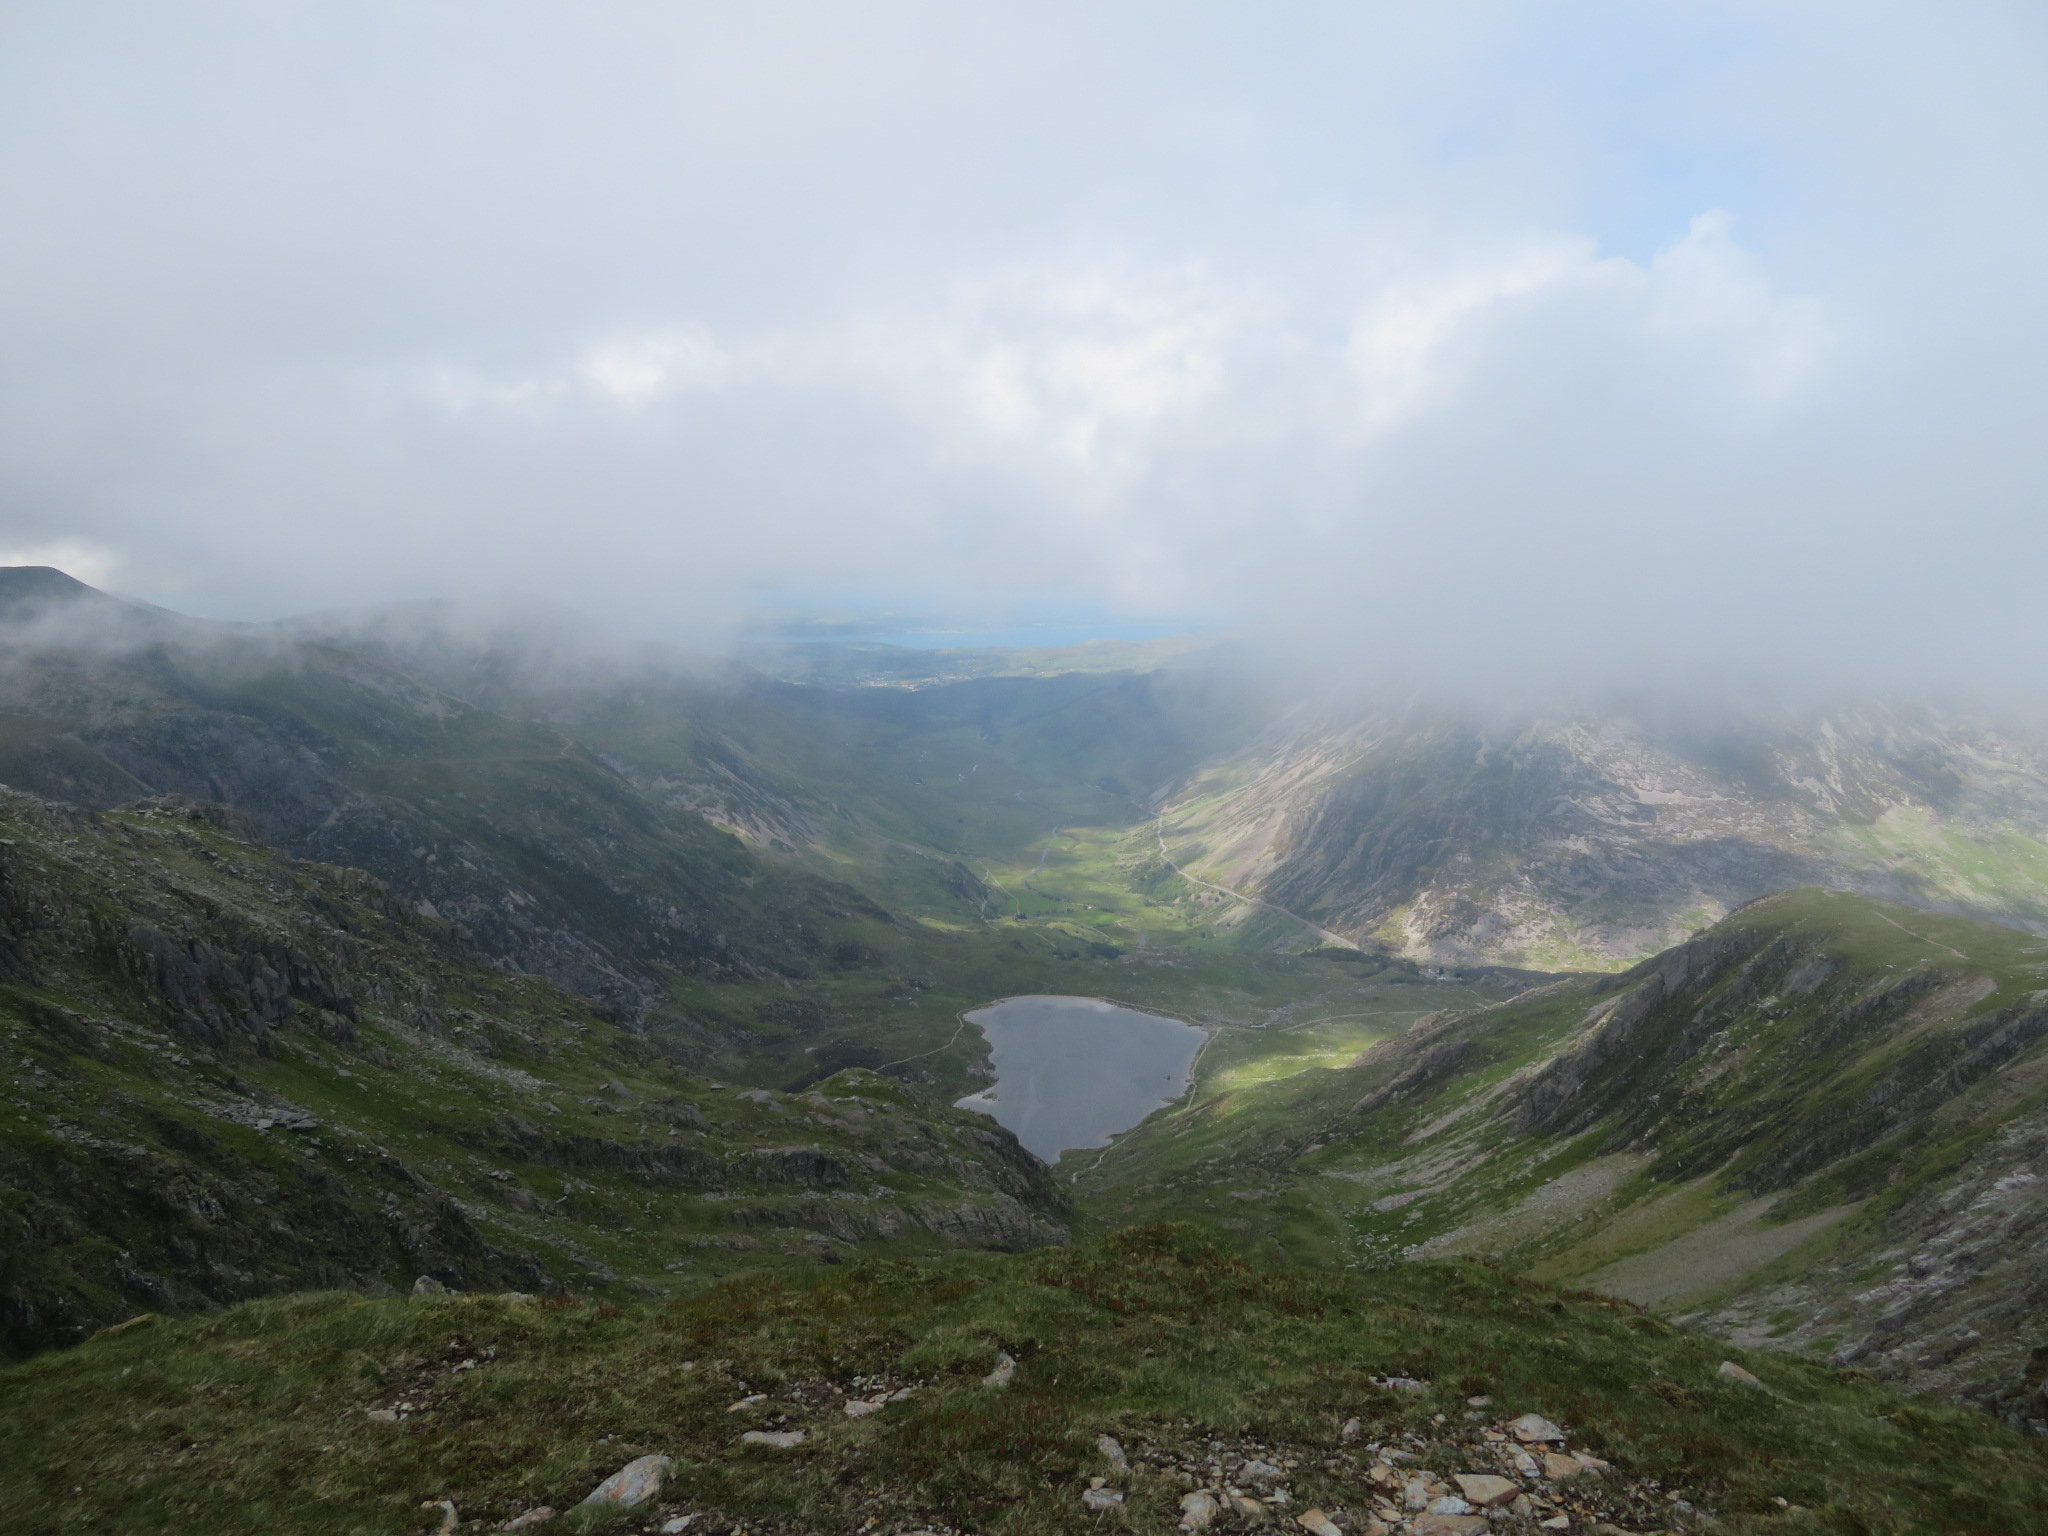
<point>255,1421</point>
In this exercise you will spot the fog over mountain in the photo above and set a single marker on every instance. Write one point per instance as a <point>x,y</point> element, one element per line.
<point>1477,344</point>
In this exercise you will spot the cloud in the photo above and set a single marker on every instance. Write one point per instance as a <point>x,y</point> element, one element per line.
<point>1493,343</point>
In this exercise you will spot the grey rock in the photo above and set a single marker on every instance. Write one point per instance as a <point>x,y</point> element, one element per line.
<point>1100,1498</point>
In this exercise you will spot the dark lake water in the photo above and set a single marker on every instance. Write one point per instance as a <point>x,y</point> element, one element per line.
<point>1073,1071</point>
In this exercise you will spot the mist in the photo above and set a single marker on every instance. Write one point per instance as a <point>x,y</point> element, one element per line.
<point>1483,347</point>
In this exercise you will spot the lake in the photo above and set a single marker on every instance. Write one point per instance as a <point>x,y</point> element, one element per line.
<point>1073,1071</point>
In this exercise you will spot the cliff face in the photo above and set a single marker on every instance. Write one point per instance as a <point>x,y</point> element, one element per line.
<point>233,1073</point>
<point>1584,841</point>
<point>1821,1124</point>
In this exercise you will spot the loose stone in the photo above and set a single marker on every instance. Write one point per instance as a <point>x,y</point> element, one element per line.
<point>535,1516</point>
<point>781,1439</point>
<point>1534,1429</point>
<point>1099,1498</point>
<point>1486,1491</point>
<point>1730,1371</point>
<point>1001,1376</point>
<point>634,1483</point>
<point>1197,1509</point>
<point>1316,1523</point>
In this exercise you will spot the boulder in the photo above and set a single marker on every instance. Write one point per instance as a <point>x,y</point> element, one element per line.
<point>1113,1452</point>
<point>1197,1509</point>
<point>1534,1429</point>
<point>1316,1523</point>
<point>427,1285</point>
<point>1259,1471</point>
<point>634,1483</point>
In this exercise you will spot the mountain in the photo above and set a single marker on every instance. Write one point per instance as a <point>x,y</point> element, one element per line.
<point>234,1073</point>
<point>1815,1126</point>
<point>1588,839</point>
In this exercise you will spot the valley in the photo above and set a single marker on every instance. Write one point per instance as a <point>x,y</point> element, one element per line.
<point>591,989</point>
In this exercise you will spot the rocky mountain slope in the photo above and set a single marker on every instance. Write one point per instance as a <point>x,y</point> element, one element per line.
<point>1819,1125</point>
<point>1583,840</point>
<point>233,1073</point>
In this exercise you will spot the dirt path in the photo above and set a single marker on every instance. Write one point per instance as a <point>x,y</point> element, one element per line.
<point>1159,832</point>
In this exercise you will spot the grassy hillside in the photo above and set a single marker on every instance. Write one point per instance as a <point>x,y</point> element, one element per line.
<point>1813,1126</point>
<point>336,1414</point>
<point>232,1073</point>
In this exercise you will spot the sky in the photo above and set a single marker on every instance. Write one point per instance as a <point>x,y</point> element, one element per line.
<point>1475,342</point>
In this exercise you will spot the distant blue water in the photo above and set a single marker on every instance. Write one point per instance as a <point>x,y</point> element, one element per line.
<point>1071,1072</point>
<point>988,639</point>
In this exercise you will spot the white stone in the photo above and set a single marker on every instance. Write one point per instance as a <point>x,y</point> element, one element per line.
<point>1003,1374</point>
<point>781,1439</point>
<point>1316,1523</point>
<point>1197,1509</point>
<point>1730,1371</point>
<point>634,1483</point>
<point>1534,1429</point>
